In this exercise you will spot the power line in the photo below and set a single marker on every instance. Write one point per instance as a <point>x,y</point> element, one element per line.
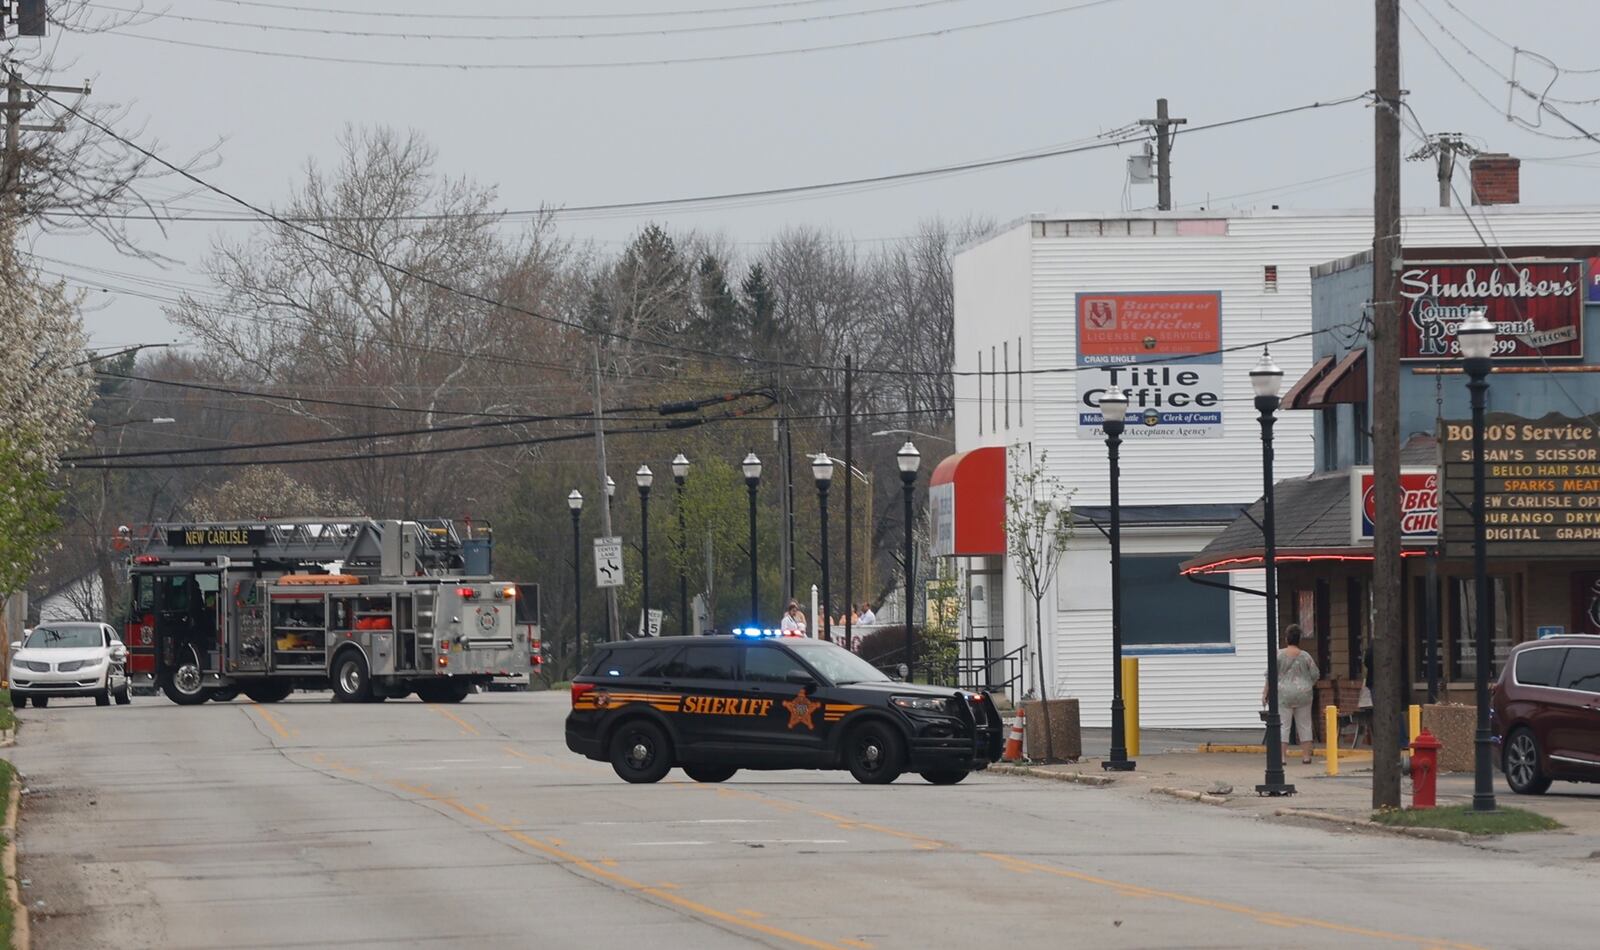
<point>531,37</point>
<point>625,63</point>
<point>619,15</point>
<point>572,324</point>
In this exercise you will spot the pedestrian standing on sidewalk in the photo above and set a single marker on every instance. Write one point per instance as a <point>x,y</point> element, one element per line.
<point>1297,683</point>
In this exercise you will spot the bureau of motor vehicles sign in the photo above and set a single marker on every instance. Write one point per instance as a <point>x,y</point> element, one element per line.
<point>1161,348</point>
<point>1542,486</point>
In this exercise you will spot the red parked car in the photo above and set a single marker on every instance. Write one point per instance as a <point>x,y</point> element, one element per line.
<point>1545,713</point>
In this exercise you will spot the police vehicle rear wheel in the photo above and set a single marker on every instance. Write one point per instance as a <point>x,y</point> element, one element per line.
<point>944,776</point>
<point>709,773</point>
<point>641,752</point>
<point>350,681</point>
<point>874,754</point>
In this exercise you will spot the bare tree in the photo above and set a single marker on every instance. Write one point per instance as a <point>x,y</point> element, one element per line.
<point>348,298</point>
<point>75,163</point>
<point>1038,527</point>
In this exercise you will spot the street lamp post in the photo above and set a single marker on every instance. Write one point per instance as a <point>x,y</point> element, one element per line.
<point>575,503</point>
<point>680,471</point>
<point>822,471</point>
<point>752,481</point>
<point>611,592</point>
<point>1477,346</point>
<point>1113,419</point>
<point>1267,380</point>
<point>644,478</point>
<point>909,460</point>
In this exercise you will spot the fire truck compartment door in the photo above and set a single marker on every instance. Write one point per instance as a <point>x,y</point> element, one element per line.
<point>382,653</point>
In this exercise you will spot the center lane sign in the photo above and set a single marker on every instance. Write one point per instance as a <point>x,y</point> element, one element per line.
<point>1163,348</point>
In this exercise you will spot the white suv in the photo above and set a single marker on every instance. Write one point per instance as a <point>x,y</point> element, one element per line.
<point>69,659</point>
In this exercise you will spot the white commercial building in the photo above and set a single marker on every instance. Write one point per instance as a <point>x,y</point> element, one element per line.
<point>1051,309</point>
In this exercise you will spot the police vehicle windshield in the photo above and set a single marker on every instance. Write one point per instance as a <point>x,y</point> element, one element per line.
<point>839,665</point>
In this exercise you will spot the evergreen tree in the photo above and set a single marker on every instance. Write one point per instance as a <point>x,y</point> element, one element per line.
<point>760,306</point>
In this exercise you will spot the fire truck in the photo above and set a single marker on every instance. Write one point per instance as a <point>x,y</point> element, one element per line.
<point>370,609</point>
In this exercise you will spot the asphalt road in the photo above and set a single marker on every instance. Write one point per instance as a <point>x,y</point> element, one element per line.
<point>311,824</point>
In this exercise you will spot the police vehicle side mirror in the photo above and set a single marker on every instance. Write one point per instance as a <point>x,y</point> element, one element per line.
<point>803,680</point>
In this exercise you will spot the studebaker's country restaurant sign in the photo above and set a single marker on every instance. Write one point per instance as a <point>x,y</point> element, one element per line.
<point>1536,307</point>
<point>1542,496</point>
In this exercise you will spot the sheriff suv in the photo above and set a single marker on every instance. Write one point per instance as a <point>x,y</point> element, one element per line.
<point>714,705</point>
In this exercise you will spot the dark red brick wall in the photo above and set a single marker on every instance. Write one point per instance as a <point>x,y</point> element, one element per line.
<point>1496,180</point>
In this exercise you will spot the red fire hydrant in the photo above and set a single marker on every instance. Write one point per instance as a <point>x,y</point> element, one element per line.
<point>1425,769</point>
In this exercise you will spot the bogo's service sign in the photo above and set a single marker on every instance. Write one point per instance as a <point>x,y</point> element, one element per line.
<point>1162,348</point>
<point>1536,307</point>
<point>1419,505</point>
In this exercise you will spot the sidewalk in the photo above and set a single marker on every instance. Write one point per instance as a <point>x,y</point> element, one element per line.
<point>1172,760</point>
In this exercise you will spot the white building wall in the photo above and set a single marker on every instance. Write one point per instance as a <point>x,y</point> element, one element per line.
<point>1024,281</point>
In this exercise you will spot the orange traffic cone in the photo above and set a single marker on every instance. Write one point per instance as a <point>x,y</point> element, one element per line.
<point>1013,751</point>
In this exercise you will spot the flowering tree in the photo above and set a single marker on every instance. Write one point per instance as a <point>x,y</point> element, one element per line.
<point>267,493</point>
<point>1038,527</point>
<point>45,391</point>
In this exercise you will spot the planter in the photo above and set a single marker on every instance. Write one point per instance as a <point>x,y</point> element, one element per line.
<point>1456,726</point>
<point>1066,736</point>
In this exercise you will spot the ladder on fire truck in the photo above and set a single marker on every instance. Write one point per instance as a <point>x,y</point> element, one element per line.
<point>437,544</point>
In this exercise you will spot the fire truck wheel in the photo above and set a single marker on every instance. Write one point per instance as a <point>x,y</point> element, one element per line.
<point>224,694</point>
<point>641,752</point>
<point>270,692</point>
<point>350,681</point>
<point>184,687</point>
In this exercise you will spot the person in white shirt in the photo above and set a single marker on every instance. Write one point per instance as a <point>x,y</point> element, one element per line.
<point>794,619</point>
<point>867,616</point>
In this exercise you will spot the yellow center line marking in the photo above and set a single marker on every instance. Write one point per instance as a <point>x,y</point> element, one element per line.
<point>596,870</point>
<point>467,728</point>
<point>752,914</point>
<point>1254,913</point>
<point>547,760</point>
<point>271,720</point>
<point>855,943</point>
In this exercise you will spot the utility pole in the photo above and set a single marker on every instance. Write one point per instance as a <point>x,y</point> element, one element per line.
<point>15,107</point>
<point>613,615</point>
<point>1162,123</point>
<point>1388,623</point>
<point>1444,147</point>
<point>849,505</point>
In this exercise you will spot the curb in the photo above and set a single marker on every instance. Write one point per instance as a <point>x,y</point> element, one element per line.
<point>1078,778</point>
<point>1364,824</point>
<point>20,937</point>
<point>1190,794</point>
<point>8,737</point>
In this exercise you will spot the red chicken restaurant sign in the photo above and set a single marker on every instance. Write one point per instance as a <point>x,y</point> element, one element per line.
<point>1419,506</point>
<point>1536,307</point>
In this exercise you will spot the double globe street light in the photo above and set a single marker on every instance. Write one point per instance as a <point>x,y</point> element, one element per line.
<point>1476,334</point>
<point>822,472</point>
<point>1267,381</point>
<point>575,504</point>
<point>680,472</point>
<point>752,481</point>
<point>909,460</point>
<point>1113,419</point>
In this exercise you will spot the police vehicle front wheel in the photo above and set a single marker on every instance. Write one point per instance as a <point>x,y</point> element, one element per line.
<point>641,752</point>
<point>709,773</point>
<point>944,776</point>
<point>874,753</point>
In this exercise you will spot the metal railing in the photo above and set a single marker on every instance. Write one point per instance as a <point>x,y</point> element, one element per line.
<point>977,667</point>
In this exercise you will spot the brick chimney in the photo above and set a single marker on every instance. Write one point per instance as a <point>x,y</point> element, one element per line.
<point>1496,179</point>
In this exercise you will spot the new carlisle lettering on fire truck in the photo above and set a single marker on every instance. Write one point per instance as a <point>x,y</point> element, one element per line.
<point>371,609</point>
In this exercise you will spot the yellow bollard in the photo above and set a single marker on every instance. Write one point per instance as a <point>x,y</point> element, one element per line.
<point>1130,704</point>
<point>1330,729</point>
<point>1414,721</point>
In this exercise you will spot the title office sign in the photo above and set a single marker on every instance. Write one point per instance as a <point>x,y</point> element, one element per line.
<point>1536,307</point>
<point>1542,496</point>
<point>1162,348</point>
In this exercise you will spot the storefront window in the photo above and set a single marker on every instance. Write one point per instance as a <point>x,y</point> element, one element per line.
<point>1463,636</point>
<point>1162,609</point>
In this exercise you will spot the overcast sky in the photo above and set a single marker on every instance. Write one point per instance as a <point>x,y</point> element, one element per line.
<point>579,136</point>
